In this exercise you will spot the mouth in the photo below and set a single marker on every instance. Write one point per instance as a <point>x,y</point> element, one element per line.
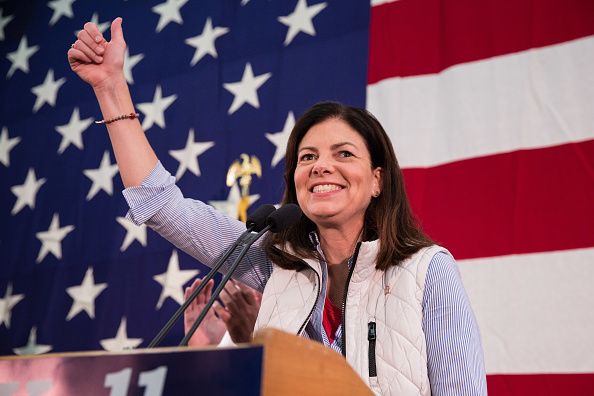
<point>326,188</point>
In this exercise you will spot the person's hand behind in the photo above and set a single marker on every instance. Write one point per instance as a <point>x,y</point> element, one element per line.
<point>95,60</point>
<point>242,304</point>
<point>212,329</point>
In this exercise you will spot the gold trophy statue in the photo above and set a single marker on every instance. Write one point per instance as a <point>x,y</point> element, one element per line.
<point>243,170</point>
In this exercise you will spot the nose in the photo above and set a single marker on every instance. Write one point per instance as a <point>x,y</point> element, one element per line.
<point>322,166</point>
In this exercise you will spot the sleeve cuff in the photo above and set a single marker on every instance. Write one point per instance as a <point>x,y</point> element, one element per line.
<point>145,200</point>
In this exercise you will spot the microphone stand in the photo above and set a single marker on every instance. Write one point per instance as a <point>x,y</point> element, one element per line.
<point>254,223</point>
<point>241,240</point>
<point>252,238</point>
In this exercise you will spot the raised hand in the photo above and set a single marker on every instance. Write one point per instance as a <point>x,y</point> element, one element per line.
<point>242,304</point>
<point>212,329</point>
<point>95,60</point>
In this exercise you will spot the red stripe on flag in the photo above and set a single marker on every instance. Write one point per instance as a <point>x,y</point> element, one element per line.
<point>521,202</point>
<point>542,385</point>
<point>413,37</point>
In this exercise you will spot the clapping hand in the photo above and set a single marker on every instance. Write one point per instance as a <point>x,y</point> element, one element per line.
<point>212,328</point>
<point>242,304</point>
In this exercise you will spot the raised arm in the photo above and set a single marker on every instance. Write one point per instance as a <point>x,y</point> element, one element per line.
<point>100,64</point>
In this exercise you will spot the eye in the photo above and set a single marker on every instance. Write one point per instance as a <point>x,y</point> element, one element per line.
<point>306,157</point>
<point>345,154</point>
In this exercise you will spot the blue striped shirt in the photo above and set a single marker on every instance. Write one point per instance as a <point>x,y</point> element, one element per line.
<point>454,354</point>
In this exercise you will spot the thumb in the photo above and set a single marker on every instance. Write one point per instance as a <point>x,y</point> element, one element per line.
<point>117,33</point>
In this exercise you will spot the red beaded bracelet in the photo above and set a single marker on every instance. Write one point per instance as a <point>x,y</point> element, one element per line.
<point>130,116</point>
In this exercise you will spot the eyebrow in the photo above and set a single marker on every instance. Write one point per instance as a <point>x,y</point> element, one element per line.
<point>333,147</point>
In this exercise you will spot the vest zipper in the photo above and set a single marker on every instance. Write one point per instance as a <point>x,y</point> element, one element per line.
<point>371,337</point>
<point>315,302</point>
<point>346,290</point>
<point>317,294</point>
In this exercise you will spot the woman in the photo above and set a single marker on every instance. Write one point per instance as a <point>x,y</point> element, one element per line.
<point>355,273</point>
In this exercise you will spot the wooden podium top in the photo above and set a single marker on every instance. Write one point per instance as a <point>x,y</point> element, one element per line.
<point>276,363</point>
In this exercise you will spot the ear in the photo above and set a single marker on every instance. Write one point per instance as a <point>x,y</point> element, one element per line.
<point>378,174</point>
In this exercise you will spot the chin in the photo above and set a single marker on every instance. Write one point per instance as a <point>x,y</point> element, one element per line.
<point>323,216</point>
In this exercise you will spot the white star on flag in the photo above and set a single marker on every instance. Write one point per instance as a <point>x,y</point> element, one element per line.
<point>154,111</point>
<point>7,144</point>
<point>51,240</point>
<point>7,303</point>
<point>4,20</point>
<point>281,138</point>
<point>101,26</point>
<point>20,57</point>
<point>133,233</point>
<point>188,156</point>
<point>26,192</point>
<point>129,63</point>
<point>173,280</point>
<point>169,12</point>
<point>101,177</point>
<point>84,295</point>
<point>47,92</point>
<point>61,8</point>
<point>72,132</point>
<point>246,90</point>
<point>121,341</point>
<point>32,347</point>
<point>300,20</point>
<point>205,42</point>
<point>229,206</point>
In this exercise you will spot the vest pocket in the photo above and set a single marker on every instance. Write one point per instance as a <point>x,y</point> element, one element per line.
<point>371,337</point>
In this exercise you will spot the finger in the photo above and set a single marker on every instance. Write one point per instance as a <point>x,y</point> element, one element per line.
<point>236,294</point>
<point>77,56</point>
<point>258,297</point>
<point>225,297</point>
<point>202,297</point>
<point>221,312</point>
<point>232,286</point>
<point>94,32</point>
<point>235,308</point>
<point>247,292</point>
<point>208,289</point>
<point>81,46</point>
<point>249,297</point>
<point>190,290</point>
<point>117,33</point>
<point>195,284</point>
<point>84,36</point>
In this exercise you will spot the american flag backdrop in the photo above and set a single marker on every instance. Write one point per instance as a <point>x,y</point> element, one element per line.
<point>489,105</point>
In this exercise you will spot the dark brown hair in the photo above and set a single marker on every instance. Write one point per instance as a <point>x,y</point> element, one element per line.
<point>388,217</point>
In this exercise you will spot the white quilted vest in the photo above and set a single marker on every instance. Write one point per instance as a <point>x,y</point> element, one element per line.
<point>401,353</point>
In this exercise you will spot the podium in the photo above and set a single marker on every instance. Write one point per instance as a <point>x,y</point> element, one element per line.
<point>276,363</point>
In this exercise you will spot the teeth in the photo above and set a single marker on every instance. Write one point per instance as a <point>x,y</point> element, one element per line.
<point>326,188</point>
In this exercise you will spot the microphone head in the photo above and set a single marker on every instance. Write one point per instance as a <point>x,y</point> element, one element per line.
<point>284,217</point>
<point>257,220</point>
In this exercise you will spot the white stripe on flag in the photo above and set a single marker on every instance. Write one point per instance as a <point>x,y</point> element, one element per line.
<point>379,2</point>
<point>537,98</point>
<point>535,311</point>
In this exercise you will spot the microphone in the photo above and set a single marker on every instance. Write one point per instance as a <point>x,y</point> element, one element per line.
<point>283,218</point>
<point>255,222</point>
<point>279,220</point>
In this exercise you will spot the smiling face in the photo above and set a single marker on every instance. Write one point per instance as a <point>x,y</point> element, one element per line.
<point>334,178</point>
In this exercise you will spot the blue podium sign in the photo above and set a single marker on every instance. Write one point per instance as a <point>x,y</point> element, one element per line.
<point>155,372</point>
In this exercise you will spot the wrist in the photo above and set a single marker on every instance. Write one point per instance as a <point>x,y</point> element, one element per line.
<point>114,98</point>
<point>110,85</point>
